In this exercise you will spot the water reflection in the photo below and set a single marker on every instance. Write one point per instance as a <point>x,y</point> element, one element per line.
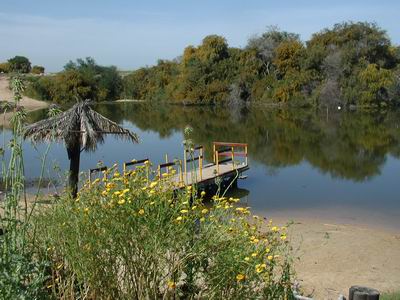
<point>304,160</point>
<point>350,145</point>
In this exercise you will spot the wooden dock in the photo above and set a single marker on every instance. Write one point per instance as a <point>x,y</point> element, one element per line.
<point>230,160</point>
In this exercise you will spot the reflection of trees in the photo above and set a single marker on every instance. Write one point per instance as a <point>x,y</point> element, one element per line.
<point>350,145</point>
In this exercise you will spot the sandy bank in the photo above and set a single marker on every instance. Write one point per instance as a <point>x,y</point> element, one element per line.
<point>5,94</point>
<point>333,257</point>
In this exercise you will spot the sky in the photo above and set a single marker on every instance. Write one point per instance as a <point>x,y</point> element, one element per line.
<point>131,34</point>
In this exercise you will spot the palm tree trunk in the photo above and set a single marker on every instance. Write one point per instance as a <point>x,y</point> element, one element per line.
<point>74,154</point>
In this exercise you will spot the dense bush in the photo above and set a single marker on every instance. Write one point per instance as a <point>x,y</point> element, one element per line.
<point>83,79</point>
<point>332,67</point>
<point>125,238</point>
<point>19,64</point>
<point>37,70</point>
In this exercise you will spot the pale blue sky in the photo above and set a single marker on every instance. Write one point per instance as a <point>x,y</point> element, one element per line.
<point>131,34</point>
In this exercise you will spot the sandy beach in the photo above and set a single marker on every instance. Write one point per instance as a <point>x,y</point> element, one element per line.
<point>334,256</point>
<point>6,95</point>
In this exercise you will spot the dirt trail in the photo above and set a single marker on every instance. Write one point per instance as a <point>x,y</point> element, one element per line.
<point>5,94</point>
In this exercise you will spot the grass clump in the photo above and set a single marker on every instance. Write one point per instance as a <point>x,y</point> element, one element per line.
<point>126,237</point>
<point>391,296</point>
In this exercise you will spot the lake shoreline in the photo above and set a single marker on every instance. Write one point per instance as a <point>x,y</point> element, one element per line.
<point>6,94</point>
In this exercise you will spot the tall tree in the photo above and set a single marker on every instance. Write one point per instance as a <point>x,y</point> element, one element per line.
<point>19,64</point>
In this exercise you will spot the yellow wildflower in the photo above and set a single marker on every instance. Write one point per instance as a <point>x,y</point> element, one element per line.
<point>194,207</point>
<point>117,193</point>
<point>204,211</point>
<point>189,188</point>
<point>202,219</point>
<point>247,258</point>
<point>283,237</point>
<point>254,254</point>
<point>179,218</point>
<point>171,284</point>
<point>122,201</point>
<point>240,277</point>
<point>270,257</point>
<point>153,184</point>
<point>141,211</point>
<point>184,211</point>
<point>203,193</point>
<point>275,229</point>
<point>267,250</point>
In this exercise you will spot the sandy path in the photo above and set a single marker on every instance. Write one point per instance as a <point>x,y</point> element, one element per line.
<point>5,94</point>
<point>333,257</point>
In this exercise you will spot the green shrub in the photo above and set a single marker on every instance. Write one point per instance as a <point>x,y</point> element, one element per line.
<point>4,67</point>
<point>125,238</point>
<point>37,70</point>
<point>20,64</point>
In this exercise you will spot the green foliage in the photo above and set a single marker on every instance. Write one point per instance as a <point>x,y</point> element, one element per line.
<point>374,83</point>
<point>126,237</point>
<point>276,67</point>
<point>83,79</point>
<point>37,70</point>
<point>22,275</point>
<point>390,296</point>
<point>19,64</point>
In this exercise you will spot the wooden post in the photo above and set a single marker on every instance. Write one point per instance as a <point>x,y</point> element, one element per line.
<point>124,169</point>
<point>90,178</point>
<point>217,161</point>
<point>214,160</point>
<point>166,161</point>
<point>180,173</point>
<point>245,151</point>
<point>159,173</point>
<point>184,163</point>
<point>201,163</point>
<point>148,171</point>
<point>233,158</point>
<point>363,293</point>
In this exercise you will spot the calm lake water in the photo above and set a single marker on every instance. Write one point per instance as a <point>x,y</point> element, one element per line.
<point>304,163</point>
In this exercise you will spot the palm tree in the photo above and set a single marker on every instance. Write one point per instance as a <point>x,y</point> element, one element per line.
<point>81,128</point>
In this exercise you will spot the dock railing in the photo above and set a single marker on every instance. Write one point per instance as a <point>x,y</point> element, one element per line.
<point>135,163</point>
<point>229,150</point>
<point>95,171</point>
<point>197,155</point>
<point>167,165</point>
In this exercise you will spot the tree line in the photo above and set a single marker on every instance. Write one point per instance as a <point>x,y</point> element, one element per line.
<point>348,64</point>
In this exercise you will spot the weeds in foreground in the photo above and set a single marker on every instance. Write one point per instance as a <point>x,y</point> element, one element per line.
<point>21,276</point>
<point>125,237</point>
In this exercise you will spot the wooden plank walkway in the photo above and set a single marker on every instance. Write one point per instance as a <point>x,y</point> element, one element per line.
<point>233,164</point>
<point>210,174</point>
